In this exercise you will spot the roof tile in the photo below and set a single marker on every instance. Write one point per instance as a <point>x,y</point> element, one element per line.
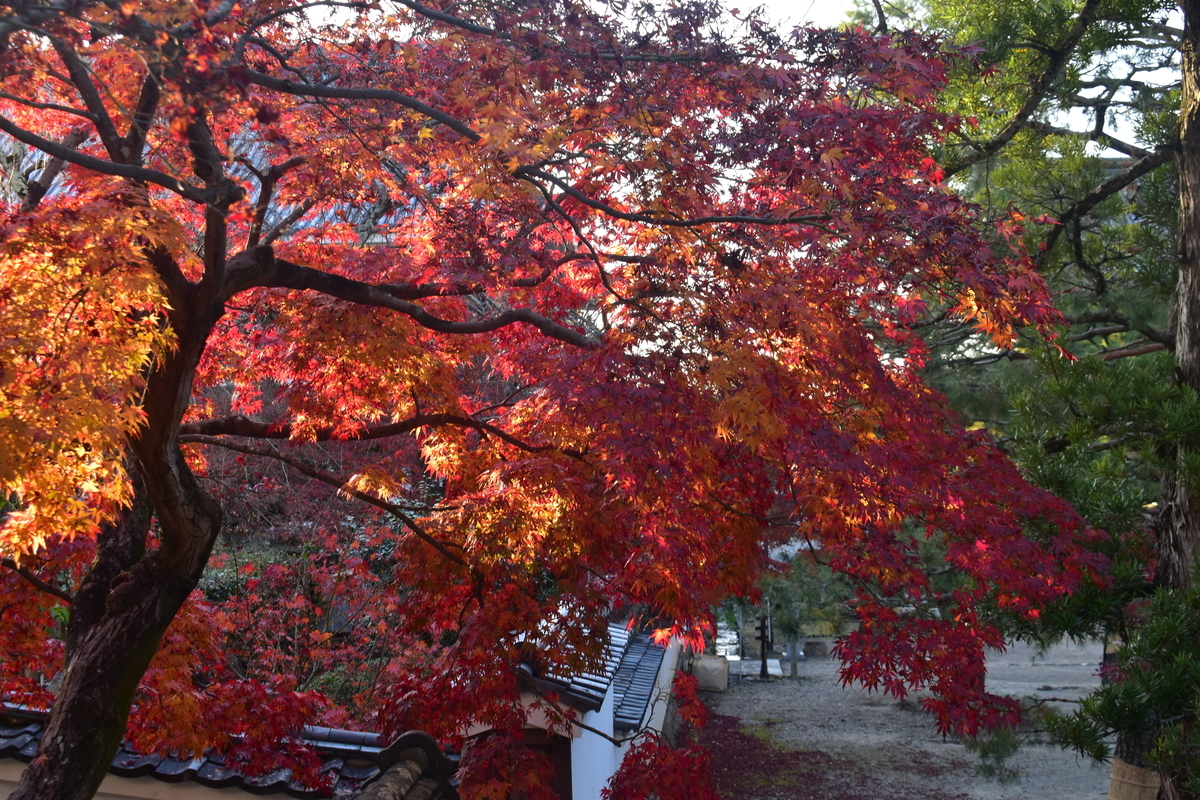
<point>349,758</point>
<point>634,681</point>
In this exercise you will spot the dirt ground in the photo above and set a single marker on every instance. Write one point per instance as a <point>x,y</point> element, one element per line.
<point>786,739</point>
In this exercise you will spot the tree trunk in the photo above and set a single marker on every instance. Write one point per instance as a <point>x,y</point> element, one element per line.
<point>1179,522</point>
<point>117,620</point>
<point>130,595</point>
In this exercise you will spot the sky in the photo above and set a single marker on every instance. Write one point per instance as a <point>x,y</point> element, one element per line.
<point>818,12</point>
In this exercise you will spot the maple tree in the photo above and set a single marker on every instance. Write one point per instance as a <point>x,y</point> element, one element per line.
<point>503,319</point>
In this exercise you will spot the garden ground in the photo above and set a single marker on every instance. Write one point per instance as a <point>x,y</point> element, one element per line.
<point>786,739</point>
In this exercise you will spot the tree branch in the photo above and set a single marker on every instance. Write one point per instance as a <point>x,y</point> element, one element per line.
<point>207,161</point>
<point>287,222</point>
<point>286,275</point>
<point>990,358</point>
<point>1101,284</point>
<point>529,173</point>
<point>1132,349</point>
<point>881,27</point>
<point>1092,333</point>
<point>296,8</point>
<point>266,191</point>
<point>31,16</point>
<point>239,425</point>
<point>140,174</point>
<point>209,165</point>
<point>418,291</point>
<point>457,22</point>
<point>1112,444</point>
<point>134,142</point>
<point>472,27</point>
<point>316,90</point>
<point>33,579</point>
<point>1098,136</point>
<point>75,112</point>
<point>1107,189</point>
<point>332,480</point>
<point>80,75</point>
<point>214,16</point>
<point>1039,89</point>
<point>37,189</point>
<point>1122,324</point>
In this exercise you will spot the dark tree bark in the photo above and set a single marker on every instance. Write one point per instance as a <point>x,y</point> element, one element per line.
<point>1179,519</point>
<point>130,595</point>
<point>119,615</point>
<point>1179,526</point>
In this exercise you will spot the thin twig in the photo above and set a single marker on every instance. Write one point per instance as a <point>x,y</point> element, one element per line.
<point>28,575</point>
<point>342,486</point>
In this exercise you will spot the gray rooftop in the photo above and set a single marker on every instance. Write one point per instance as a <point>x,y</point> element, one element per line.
<point>630,667</point>
<point>349,758</point>
<point>633,683</point>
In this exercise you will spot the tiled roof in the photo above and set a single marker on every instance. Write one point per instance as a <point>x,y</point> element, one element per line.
<point>587,690</point>
<point>630,667</point>
<point>634,681</point>
<point>353,759</point>
<point>350,758</point>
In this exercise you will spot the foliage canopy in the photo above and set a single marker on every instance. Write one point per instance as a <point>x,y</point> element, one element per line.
<point>505,318</point>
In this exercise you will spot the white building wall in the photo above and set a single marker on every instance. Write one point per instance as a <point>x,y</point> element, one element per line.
<point>663,684</point>
<point>593,758</point>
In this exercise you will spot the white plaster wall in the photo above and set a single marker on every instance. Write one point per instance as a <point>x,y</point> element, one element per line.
<point>145,788</point>
<point>663,684</point>
<point>536,717</point>
<point>593,758</point>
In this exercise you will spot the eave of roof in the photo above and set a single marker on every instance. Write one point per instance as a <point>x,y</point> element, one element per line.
<point>587,690</point>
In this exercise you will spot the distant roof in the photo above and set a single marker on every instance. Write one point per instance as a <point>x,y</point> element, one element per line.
<point>350,758</point>
<point>353,759</point>
<point>587,690</point>
<point>630,667</point>
<point>634,683</point>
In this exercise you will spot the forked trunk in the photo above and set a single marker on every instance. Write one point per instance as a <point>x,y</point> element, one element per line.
<point>87,723</point>
<point>117,620</point>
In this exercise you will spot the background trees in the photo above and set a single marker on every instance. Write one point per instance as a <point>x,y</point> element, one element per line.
<point>505,319</point>
<point>1082,117</point>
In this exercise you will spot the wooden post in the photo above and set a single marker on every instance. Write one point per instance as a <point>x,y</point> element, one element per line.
<point>763,638</point>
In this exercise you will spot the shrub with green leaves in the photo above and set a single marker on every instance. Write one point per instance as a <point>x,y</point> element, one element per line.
<point>1155,693</point>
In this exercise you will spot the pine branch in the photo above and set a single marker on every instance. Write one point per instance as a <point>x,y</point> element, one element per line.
<point>1039,90</point>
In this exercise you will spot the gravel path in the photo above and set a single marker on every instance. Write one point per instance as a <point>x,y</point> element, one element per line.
<point>789,739</point>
